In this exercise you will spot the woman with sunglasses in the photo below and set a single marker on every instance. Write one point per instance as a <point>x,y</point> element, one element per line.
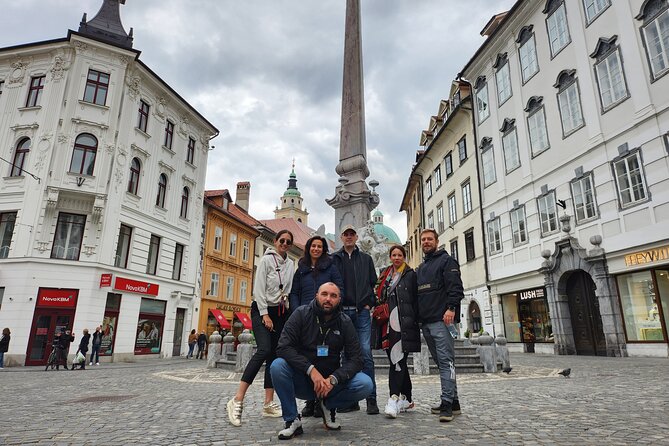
<point>269,312</point>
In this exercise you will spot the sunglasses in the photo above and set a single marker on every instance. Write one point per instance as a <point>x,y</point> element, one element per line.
<point>285,241</point>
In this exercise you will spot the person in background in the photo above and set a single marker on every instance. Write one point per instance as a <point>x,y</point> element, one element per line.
<point>4,346</point>
<point>192,342</point>
<point>83,348</point>
<point>201,345</point>
<point>97,342</point>
<point>269,312</point>
<point>64,342</point>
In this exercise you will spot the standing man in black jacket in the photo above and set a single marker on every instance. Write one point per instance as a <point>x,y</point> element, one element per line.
<point>308,364</point>
<point>359,273</point>
<point>440,291</point>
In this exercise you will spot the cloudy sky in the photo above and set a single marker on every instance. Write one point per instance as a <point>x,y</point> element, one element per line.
<point>268,74</point>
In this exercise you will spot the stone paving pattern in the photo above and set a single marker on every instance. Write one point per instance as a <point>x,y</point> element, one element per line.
<point>607,401</point>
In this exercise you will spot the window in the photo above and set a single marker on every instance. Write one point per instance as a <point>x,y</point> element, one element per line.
<point>169,134</point>
<point>133,182</point>
<point>527,53</point>
<point>609,73</point>
<point>440,218</point>
<point>556,24</point>
<point>190,153</point>
<point>569,102</point>
<point>518,225</point>
<point>185,193</point>
<point>233,245</point>
<point>548,217</point>
<point>242,291</point>
<point>245,251</point>
<point>630,179</point>
<point>466,198</point>
<point>469,245</point>
<point>162,188</point>
<point>656,34</point>
<point>83,155</point>
<point>536,124</point>
<point>482,104</point>
<point>448,164</point>
<point>462,150</point>
<point>454,249</point>
<point>428,188</point>
<point>154,249</point>
<point>494,236</point>
<point>150,326</point>
<point>213,284</point>
<point>123,247</point>
<point>583,194</point>
<point>230,288</point>
<point>35,91</point>
<point>218,238</point>
<point>97,85</point>
<point>452,211</point>
<point>594,7</point>
<point>643,300</point>
<point>7,221</point>
<point>20,154</point>
<point>510,145</point>
<point>503,78</point>
<point>430,220</point>
<point>178,261</point>
<point>488,160</point>
<point>437,176</point>
<point>143,116</point>
<point>68,236</point>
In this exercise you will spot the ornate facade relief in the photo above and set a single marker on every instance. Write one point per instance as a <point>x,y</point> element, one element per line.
<point>59,67</point>
<point>19,68</point>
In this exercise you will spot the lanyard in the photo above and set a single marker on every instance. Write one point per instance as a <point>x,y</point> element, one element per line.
<point>320,328</point>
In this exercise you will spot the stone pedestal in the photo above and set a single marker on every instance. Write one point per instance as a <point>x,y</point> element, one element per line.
<point>502,351</point>
<point>244,351</point>
<point>228,345</point>
<point>486,351</point>
<point>421,360</point>
<point>214,352</point>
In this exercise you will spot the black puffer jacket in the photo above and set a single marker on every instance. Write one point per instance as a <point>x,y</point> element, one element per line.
<point>365,276</point>
<point>307,280</point>
<point>83,344</point>
<point>439,287</point>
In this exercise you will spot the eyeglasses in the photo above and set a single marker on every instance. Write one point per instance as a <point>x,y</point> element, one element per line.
<point>285,241</point>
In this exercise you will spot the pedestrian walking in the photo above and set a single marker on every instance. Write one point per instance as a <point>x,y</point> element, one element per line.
<point>192,342</point>
<point>64,341</point>
<point>95,346</point>
<point>269,312</point>
<point>359,274</point>
<point>201,345</point>
<point>83,349</point>
<point>396,327</point>
<point>309,366</point>
<point>4,346</point>
<point>440,291</point>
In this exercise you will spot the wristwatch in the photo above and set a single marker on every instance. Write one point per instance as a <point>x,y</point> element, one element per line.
<point>333,380</point>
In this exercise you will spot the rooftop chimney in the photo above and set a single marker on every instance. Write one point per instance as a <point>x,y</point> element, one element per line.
<point>243,194</point>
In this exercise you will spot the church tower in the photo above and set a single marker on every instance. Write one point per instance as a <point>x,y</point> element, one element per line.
<point>291,202</point>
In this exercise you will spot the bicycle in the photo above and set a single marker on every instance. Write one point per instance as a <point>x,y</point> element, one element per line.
<point>54,360</point>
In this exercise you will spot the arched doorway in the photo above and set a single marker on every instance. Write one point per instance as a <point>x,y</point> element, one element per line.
<point>586,320</point>
<point>474,317</point>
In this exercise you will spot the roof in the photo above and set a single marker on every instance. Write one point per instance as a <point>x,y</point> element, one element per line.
<point>107,26</point>
<point>387,232</point>
<point>213,199</point>
<point>301,232</point>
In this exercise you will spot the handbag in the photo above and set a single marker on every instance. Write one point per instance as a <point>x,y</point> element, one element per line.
<point>381,312</point>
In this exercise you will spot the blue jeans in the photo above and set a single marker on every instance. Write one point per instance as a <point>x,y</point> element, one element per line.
<point>290,383</point>
<point>191,347</point>
<point>362,320</point>
<point>2,359</point>
<point>440,342</point>
<point>95,353</point>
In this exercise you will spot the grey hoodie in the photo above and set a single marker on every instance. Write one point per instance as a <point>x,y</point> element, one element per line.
<point>266,292</point>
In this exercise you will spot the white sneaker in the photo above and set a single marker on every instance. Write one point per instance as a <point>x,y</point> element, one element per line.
<point>293,429</point>
<point>404,404</point>
<point>392,407</point>
<point>271,410</point>
<point>235,411</point>
<point>97,363</point>
<point>90,363</point>
<point>328,421</point>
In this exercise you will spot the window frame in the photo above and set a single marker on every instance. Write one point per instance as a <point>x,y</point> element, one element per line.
<point>481,88</point>
<point>232,245</point>
<point>441,223</point>
<point>20,154</point>
<point>525,37</point>
<point>428,187</point>
<point>153,257</point>
<point>143,115</point>
<point>243,290</point>
<point>230,288</point>
<point>624,158</point>
<point>185,197</point>
<point>162,191</point>
<point>494,232</point>
<point>595,208</point>
<point>448,164</point>
<point>453,247</point>
<point>71,224</point>
<point>467,200</point>
<point>35,90</point>
<point>437,176</point>
<point>246,249</point>
<point>551,10</point>
<point>535,107</point>
<point>213,284</point>
<point>543,207</point>
<point>488,159</point>
<point>508,130</point>
<point>650,17</point>
<point>96,85</point>
<point>218,238</point>
<point>462,149</point>
<point>169,134</point>
<point>7,232</point>
<point>135,172</point>
<point>589,19</point>
<point>470,248</point>
<point>123,243</point>
<point>605,50</point>
<point>430,219</point>
<point>178,260</point>
<point>190,151</point>
<point>566,80</point>
<point>520,226</point>
<point>87,151</point>
<point>503,72</point>
<point>452,209</point>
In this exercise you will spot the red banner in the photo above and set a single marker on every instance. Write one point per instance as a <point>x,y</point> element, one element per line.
<point>54,297</point>
<point>105,280</point>
<point>135,286</point>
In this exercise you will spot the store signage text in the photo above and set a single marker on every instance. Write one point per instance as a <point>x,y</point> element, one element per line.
<point>535,293</point>
<point>57,298</point>
<point>648,256</point>
<point>229,308</point>
<point>105,280</point>
<point>135,286</point>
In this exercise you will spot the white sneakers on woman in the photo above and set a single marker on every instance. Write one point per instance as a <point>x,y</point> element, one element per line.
<point>271,409</point>
<point>235,411</point>
<point>392,407</point>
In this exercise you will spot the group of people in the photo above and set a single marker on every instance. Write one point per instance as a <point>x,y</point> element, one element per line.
<point>199,341</point>
<point>61,345</point>
<point>315,328</point>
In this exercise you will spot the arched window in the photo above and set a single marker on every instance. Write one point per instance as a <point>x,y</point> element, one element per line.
<point>83,156</point>
<point>133,183</point>
<point>184,202</point>
<point>20,154</point>
<point>162,188</point>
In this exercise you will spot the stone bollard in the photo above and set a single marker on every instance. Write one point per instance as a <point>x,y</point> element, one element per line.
<point>228,345</point>
<point>421,360</point>
<point>486,351</point>
<point>214,350</point>
<point>502,351</point>
<point>244,350</point>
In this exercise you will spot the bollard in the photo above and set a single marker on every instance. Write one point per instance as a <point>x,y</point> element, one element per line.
<point>486,351</point>
<point>244,350</point>
<point>214,350</point>
<point>421,360</point>
<point>502,351</point>
<point>228,345</point>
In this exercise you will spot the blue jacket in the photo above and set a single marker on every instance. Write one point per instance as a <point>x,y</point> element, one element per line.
<point>307,280</point>
<point>439,287</point>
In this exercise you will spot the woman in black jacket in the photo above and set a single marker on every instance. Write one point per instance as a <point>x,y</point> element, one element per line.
<point>83,348</point>
<point>397,327</point>
<point>4,345</point>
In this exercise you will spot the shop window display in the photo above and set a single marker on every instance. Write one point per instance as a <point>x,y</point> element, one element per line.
<point>511,320</point>
<point>526,316</point>
<point>638,298</point>
<point>150,327</point>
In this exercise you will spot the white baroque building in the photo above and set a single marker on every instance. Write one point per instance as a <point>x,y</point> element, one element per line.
<point>572,122</point>
<point>103,171</point>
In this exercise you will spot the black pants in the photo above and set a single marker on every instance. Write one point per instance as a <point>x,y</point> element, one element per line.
<point>266,342</point>
<point>399,381</point>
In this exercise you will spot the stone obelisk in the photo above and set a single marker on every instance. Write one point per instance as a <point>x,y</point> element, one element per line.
<point>353,201</point>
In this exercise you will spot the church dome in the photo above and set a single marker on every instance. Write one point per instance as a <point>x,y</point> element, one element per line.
<point>381,229</point>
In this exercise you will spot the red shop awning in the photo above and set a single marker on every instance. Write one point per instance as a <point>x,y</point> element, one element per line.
<point>244,319</point>
<point>222,321</point>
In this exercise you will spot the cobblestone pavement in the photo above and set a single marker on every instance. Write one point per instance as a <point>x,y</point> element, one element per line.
<point>608,401</point>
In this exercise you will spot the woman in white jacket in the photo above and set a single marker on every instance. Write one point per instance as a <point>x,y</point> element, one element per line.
<point>269,312</point>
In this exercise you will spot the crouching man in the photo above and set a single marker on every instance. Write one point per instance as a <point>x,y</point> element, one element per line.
<point>308,364</point>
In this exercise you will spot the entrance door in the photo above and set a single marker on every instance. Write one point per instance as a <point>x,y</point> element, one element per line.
<point>46,324</point>
<point>178,331</point>
<point>586,320</point>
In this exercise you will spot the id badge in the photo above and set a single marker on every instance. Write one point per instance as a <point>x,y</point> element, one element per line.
<point>322,350</point>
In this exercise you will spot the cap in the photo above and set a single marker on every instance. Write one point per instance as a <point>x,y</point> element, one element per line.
<point>348,228</point>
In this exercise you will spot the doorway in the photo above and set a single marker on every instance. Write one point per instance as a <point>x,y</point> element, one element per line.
<point>586,320</point>
<point>46,324</point>
<point>474,317</point>
<point>178,331</point>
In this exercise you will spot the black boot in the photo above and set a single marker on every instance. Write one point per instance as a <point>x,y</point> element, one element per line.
<point>308,410</point>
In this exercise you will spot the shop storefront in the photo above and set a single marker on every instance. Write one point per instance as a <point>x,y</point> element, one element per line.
<point>526,317</point>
